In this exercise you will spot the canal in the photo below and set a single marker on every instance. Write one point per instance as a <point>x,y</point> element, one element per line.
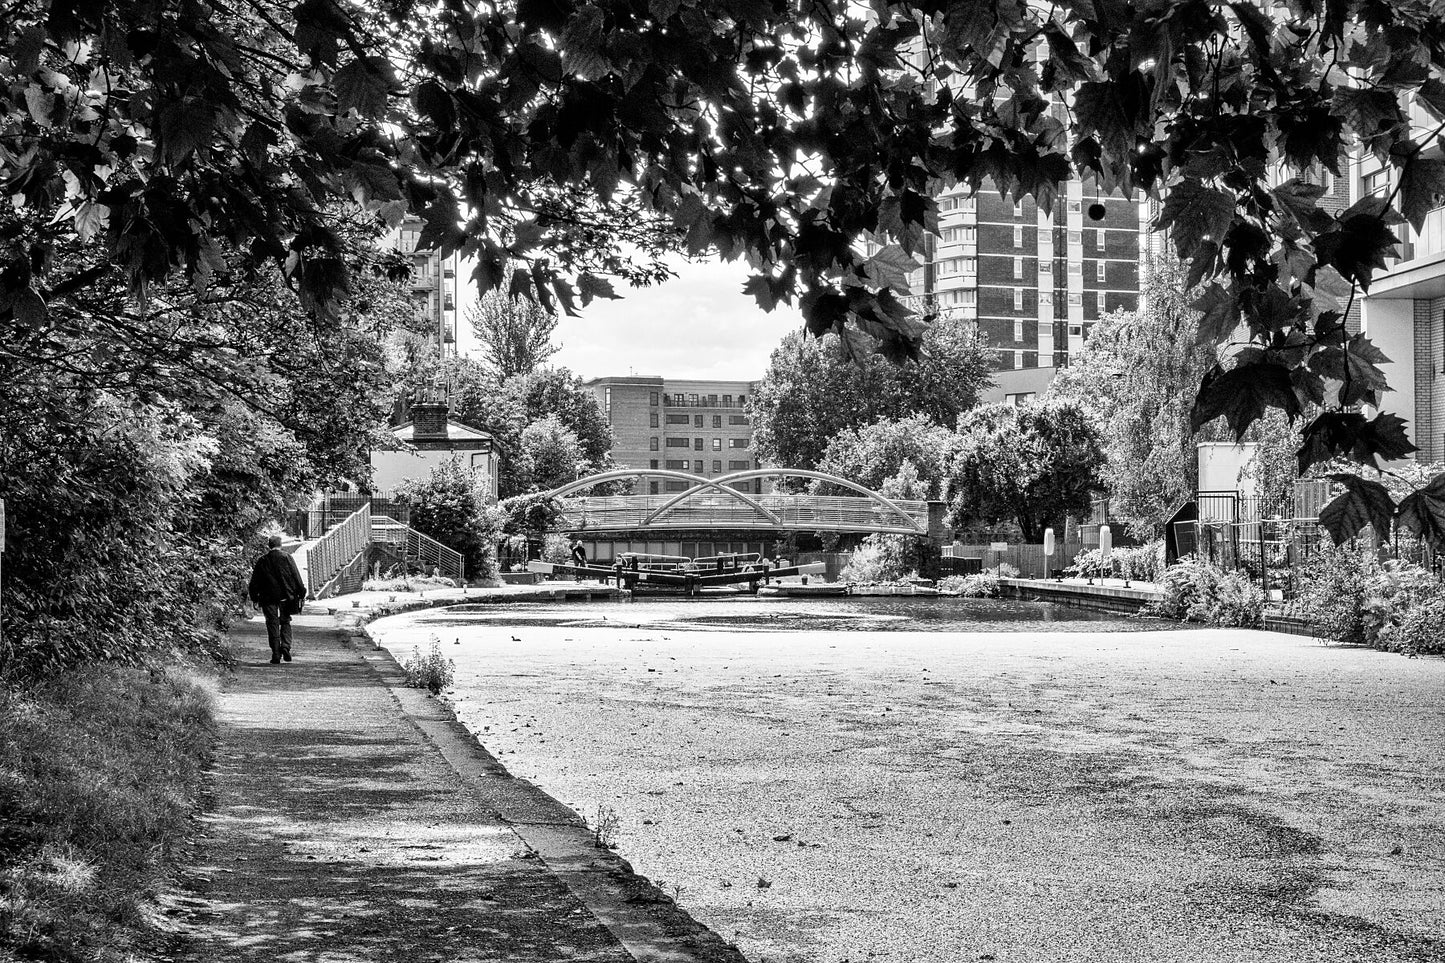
<point>944,779</point>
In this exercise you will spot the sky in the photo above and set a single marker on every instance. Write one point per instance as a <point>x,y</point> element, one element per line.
<point>698,325</point>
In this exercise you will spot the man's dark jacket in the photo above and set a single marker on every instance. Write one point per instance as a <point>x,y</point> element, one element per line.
<point>275,579</point>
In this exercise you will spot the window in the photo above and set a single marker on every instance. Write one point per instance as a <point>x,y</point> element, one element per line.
<point>1376,182</point>
<point>1099,239</point>
<point>970,265</point>
<point>652,398</point>
<point>652,464</point>
<point>1076,330</point>
<point>1018,235</point>
<point>652,419</point>
<point>607,401</point>
<point>697,421</point>
<point>678,486</point>
<point>1076,237</point>
<point>1006,360</point>
<point>967,203</point>
<point>1101,271</point>
<point>742,400</point>
<point>717,421</point>
<point>1046,297</point>
<point>677,464</point>
<point>1076,207</point>
<point>1018,331</point>
<point>677,442</point>
<point>717,464</point>
<point>727,401</point>
<point>652,488</point>
<point>1075,297</point>
<point>1018,268</point>
<point>1018,299</point>
<point>712,400</point>
<point>652,443</point>
<point>737,419</point>
<point>737,466</point>
<point>692,398</point>
<point>697,444</point>
<point>1018,208</point>
<point>1101,302</point>
<point>697,466</point>
<point>1075,267</point>
<point>676,419</point>
<point>737,442</point>
<point>717,444</point>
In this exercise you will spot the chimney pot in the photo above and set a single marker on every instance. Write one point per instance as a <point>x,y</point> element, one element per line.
<point>428,420</point>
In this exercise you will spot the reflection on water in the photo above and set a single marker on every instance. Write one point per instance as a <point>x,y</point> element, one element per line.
<point>748,614</point>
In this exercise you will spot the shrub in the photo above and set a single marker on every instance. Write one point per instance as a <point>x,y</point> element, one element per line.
<point>1353,598</point>
<point>1144,563</point>
<point>433,671</point>
<point>1195,591</point>
<point>880,558</point>
<point>1422,629</point>
<point>451,506</point>
<point>1005,570</point>
<point>1334,590</point>
<point>100,772</point>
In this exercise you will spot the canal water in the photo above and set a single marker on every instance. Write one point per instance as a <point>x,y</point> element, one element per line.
<point>942,779</point>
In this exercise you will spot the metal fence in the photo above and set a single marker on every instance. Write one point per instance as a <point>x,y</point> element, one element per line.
<point>328,555</point>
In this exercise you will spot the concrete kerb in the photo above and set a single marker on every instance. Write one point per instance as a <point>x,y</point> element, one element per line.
<point>645,920</point>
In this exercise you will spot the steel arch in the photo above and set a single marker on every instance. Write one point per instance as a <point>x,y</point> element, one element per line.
<point>699,482</point>
<point>749,475</point>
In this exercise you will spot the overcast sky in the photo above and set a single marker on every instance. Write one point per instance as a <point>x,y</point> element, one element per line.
<point>698,325</point>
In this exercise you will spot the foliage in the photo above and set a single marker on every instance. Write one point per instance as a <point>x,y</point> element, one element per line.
<point>880,558</point>
<point>1034,464</point>
<point>451,506</point>
<point>557,548</point>
<point>980,585</point>
<point>1196,591</point>
<point>559,138</point>
<point>395,581</point>
<point>549,455</point>
<point>515,332</point>
<point>101,770</point>
<point>1144,563</point>
<point>558,393</point>
<point>1352,597</point>
<point>1136,378</point>
<point>531,515</point>
<point>813,390</point>
<point>872,454</point>
<point>1274,467</point>
<point>433,671</point>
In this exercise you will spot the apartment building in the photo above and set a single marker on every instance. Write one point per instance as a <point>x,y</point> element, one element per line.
<point>1404,312</point>
<point>700,427</point>
<point>1034,279</point>
<point>433,284</point>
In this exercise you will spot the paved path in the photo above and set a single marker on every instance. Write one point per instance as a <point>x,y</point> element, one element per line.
<point>353,820</point>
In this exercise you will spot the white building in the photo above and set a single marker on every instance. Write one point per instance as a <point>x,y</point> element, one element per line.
<point>431,438</point>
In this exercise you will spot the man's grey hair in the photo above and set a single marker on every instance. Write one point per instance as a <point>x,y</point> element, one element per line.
<point>274,541</point>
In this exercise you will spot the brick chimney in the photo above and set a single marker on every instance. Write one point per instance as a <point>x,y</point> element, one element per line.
<point>428,420</point>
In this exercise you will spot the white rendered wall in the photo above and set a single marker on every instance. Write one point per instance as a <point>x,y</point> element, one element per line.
<point>1390,326</point>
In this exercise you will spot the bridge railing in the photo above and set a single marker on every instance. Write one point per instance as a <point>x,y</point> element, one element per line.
<point>326,556</point>
<point>717,510</point>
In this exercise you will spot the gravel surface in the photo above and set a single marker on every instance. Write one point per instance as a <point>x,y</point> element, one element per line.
<point>1063,793</point>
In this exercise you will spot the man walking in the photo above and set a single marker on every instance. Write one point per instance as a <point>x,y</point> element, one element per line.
<point>276,586</point>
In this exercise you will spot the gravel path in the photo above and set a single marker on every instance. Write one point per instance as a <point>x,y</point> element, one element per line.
<point>844,796</point>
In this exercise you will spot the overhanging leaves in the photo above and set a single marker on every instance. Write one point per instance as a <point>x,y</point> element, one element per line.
<point>1363,502</point>
<point>1349,434</point>
<point>1422,513</point>
<point>1242,394</point>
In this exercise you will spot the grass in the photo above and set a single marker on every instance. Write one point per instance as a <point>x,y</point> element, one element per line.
<point>100,774</point>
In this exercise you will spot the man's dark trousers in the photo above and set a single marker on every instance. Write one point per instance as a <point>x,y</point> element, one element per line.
<point>278,630</point>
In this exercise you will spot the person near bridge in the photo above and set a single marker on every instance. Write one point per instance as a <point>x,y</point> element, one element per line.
<point>277,588</point>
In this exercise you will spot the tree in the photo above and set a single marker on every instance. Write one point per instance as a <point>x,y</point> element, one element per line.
<point>559,139</point>
<point>1136,378</point>
<point>911,453</point>
<point>1034,465</point>
<point>813,390</point>
<point>516,333</point>
<point>558,393</point>
<point>550,454</point>
<point>451,506</point>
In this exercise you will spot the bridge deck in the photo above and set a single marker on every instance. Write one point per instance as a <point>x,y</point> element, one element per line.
<point>823,513</point>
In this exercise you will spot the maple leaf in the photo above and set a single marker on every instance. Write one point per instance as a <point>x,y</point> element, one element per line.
<point>593,286</point>
<point>890,267</point>
<point>1310,135</point>
<point>1363,502</point>
<point>1348,433</point>
<point>1300,201</point>
<point>1422,513</point>
<point>1361,241</point>
<point>1219,314</point>
<point>1242,394</point>
<point>1196,214</point>
<point>1422,182</point>
<point>362,85</point>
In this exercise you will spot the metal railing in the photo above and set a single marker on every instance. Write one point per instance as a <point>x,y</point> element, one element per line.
<point>421,549</point>
<point>792,513</point>
<point>327,555</point>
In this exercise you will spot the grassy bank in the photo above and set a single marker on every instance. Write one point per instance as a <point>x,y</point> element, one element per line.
<point>100,772</point>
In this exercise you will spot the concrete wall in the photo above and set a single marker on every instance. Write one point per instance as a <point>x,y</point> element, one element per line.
<point>390,468</point>
<point>1221,465</point>
<point>1390,326</point>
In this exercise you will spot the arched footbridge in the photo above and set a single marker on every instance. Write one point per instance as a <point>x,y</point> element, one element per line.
<point>721,503</point>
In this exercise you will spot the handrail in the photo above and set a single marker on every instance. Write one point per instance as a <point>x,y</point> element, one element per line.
<point>327,555</point>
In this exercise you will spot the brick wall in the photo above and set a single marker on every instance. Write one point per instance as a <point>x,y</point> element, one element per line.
<point>1429,427</point>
